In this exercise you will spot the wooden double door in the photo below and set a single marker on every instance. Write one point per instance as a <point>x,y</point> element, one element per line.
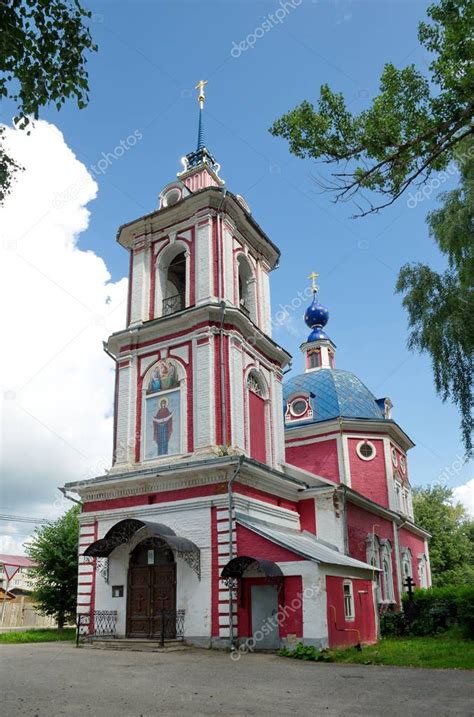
<point>151,594</point>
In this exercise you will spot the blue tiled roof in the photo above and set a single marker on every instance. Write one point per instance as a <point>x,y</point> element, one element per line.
<point>333,393</point>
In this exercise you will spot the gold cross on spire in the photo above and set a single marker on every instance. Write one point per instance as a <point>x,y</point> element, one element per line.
<point>201,96</point>
<point>313,276</point>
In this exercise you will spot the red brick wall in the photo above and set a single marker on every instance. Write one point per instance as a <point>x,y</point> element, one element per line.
<point>307,511</point>
<point>417,547</point>
<point>369,477</point>
<point>349,632</point>
<point>253,545</point>
<point>320,458</point>
<point>360,523</point>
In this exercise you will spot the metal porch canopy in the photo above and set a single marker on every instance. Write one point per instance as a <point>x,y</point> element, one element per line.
<point>236,567</point>
<point>123,531</point>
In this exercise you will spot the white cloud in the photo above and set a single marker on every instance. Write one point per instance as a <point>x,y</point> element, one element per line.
<point>58,306</point>
<point>465,495</point>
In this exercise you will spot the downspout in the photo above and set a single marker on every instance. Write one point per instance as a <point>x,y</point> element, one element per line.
<point>396,532</point>
<point>73,500</point>
<point>230,504</point>
<point>222,375</point>
<point>220,294</point>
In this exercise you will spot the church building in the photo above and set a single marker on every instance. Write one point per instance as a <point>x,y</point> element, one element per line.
<point>241,508</point>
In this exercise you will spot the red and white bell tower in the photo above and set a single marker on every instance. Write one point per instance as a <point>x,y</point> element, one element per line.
<point>197,370</point>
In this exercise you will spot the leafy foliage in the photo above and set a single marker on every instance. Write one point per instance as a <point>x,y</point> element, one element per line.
<point>451,544</point>
<point>440,306</point>
<point>308,653</point>
<point>42,61</point>
<point>413,125</point>
<point>432,612</point>
<point>54,548</point>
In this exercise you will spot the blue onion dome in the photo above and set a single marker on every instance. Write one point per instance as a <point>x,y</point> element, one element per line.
<point>333,393</point>
<point>316,316</point>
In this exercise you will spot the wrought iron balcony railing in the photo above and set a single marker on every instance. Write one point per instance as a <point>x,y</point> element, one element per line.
<point>172,304</point>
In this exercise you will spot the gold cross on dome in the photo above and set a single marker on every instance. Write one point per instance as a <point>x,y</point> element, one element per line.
<point>313,276</point>
<point>201,97</point>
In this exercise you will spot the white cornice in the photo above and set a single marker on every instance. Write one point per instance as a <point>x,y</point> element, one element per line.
<point>157,330</point>
<point>358,426</point>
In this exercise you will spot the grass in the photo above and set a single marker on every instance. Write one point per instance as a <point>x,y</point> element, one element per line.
<point>442,651</point>
<point>44,635</point>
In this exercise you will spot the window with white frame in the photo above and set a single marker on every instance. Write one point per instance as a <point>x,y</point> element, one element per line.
<point>349,613</point>
<point>387,574</point>
<point>379,555</point>
<point>366,450</point>
<point>373,558</point>
<point>422,571</point>
<point>398,494</point>
<point>407,566</point>
<point>405,503</point>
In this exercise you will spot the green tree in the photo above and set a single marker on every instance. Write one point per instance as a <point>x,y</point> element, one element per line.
<point>451,544</point>
<point>54,548</point>
<point>414,127</point>
<point>440,306</point>
<point>42,61</point>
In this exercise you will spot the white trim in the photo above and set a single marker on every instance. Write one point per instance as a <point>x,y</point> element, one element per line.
<point>349,615</point>
<point>347,464</point>
<point>394,457</point>
<point>368,443</point>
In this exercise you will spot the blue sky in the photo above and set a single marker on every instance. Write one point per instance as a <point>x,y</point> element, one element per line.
<point>151,54</point>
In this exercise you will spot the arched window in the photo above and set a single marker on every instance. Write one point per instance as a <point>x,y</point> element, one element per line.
<point>386,565</point>
<point>171,280</point>
<point>407,566</point>
<point>163,411</point>
<point>257,431</point>
<point>373,558</point>
<point>423,571</point>
<point>314,358</point>
<point>247,288</point>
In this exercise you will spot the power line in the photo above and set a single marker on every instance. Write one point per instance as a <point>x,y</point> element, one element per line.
<point>23,519</point>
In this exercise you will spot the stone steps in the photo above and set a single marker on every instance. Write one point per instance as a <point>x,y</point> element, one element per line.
<point>136,645</point>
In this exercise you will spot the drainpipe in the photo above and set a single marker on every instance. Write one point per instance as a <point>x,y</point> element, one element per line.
<point>396,534</point>
<point>73,500</point>
<point>220,283</point>
<point>222,375</point>
<point>230,504</point>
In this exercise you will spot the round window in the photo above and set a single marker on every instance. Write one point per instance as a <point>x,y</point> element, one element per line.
<point>172,197</point>
<point>299,407</point>
<point>366,450</point>
<point>394,457</point>
<point>403,464</point>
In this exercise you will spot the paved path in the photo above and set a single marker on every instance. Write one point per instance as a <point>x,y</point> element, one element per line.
<point>50,679</point>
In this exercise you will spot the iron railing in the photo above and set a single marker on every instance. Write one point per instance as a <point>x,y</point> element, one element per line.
<point>100,623</point>
<point>172,304</point>
<point>103,623</point>
<point>172,625</point>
